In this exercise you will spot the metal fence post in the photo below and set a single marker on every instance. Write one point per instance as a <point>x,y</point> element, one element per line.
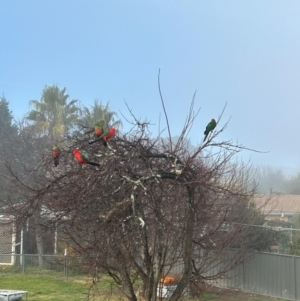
<point>65,264</point>
<point>295,278</point>
<point>23,263</point>
<point>243,279</point>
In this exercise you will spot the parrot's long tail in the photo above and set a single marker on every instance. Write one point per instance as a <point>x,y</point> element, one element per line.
<point>56,161</point>
<point>96,140</point>
<point>93,163</point>
<point>93,141</point>
<point>205,137</point>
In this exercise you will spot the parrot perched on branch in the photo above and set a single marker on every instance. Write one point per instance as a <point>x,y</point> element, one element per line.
<point>211,125</point>
<point>107,135</point>
<point>82,157</point>
<point>98,131</point>
<point>55,154</point>
<point>99,128</point>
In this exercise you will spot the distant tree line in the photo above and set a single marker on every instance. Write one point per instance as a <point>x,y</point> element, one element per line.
<point>274,180</point>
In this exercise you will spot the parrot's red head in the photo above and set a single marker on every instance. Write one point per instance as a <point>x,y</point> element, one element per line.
<point>213,120</point>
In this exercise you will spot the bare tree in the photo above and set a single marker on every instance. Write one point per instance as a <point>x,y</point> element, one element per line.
<point>152,209</point>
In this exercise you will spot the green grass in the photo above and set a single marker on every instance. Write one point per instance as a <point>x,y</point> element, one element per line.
<point>264,298</point>
<point>45,287</point>
<point>210,297</point>
<point>56,288</point>
<point>240,297</point>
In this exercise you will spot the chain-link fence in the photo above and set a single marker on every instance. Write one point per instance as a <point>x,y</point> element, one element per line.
<point>45,264</point>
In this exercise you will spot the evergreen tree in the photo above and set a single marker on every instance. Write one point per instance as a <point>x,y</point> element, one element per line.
<point>6,126</point>
<point>8,133</point>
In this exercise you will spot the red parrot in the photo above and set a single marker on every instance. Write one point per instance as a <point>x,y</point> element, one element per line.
<point>108,135</point>
<point>55,154</point>
<point>82,157</point>
<point>104,137</point>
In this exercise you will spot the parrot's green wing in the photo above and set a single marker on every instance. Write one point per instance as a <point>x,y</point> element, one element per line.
<point>104,134</point>
<point>100,124</point>
<point>84,156</point>
<point>211,126</point>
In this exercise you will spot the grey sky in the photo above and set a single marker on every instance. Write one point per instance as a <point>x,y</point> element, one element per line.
<point>245,53</point>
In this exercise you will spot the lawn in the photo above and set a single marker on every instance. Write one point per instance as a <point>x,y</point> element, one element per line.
<point>45,287</point>
<point>56,288</point>
<point>233,295</point>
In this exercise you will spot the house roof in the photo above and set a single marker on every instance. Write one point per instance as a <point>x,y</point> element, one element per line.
<point>278,204</point>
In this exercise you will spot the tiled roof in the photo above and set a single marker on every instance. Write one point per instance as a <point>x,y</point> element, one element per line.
<point>281,203</point>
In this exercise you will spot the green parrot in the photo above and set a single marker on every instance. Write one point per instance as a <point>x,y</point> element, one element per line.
<point>55,154</point>
<point>98,131</point>
<point>211,125</point>
<point>99,128</point>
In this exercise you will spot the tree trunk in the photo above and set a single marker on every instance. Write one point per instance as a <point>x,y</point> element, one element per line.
<point>128,287</point>
<point>188,249</point>
<point>39,235</point>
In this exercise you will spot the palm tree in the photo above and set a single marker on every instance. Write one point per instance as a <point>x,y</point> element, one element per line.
<point>99,112</point>
<point>53,115</point>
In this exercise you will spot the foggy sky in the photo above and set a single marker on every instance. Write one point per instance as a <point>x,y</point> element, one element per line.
<point>243,53</point>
